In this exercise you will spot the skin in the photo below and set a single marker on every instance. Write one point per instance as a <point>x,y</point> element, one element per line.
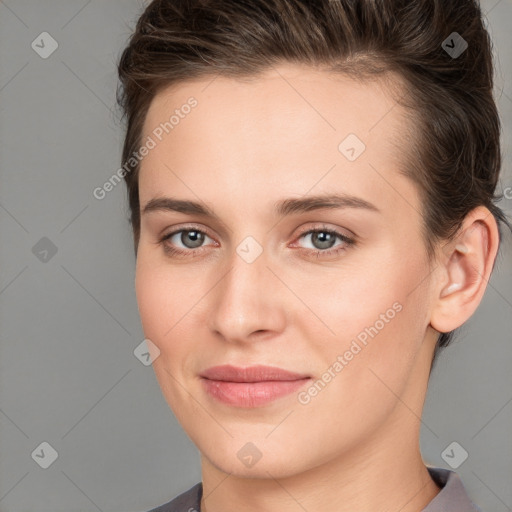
<point>247,145</point>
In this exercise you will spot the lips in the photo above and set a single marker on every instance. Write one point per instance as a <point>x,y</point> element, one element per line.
<point>258,373</point>
<point>255,386</point>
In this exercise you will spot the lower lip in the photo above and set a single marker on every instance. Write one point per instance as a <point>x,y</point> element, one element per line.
<point>251,394</point>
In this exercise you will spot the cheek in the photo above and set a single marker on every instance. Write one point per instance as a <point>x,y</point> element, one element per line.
<point>168,300</point>
<point>375,313</point>
<point>150,299</point>
<point>378,333</point>
<point>162,310</point>
<point>158,298</point>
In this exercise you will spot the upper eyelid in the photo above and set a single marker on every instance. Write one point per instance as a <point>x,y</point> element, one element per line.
<point>345,238</point>
<point>187,228</point>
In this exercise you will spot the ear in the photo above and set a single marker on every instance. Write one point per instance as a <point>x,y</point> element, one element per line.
<point>464,268</point>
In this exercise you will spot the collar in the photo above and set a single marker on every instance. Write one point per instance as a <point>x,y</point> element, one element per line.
<point>452,496</point>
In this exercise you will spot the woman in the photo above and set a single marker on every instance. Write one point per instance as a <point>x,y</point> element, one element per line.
<point>311,188</point>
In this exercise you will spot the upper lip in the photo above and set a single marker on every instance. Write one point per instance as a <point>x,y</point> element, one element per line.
<point>256,373</point>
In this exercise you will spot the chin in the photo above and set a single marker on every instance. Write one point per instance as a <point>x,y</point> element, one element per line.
<point>259,458</point>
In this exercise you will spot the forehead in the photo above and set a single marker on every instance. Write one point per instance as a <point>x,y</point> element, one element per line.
<point>288,92</point>
<point>283,130</point>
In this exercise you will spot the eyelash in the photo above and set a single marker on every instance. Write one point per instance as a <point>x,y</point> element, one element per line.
<point>348,242</point>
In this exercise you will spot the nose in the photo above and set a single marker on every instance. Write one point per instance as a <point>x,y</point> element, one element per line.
<point>249,301</point>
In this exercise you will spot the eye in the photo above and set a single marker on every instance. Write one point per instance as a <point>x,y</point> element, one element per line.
<point>323,240</point>
<point>191,239</point>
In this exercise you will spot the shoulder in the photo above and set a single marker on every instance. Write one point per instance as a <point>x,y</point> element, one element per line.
<point>189,501</point>
<point>452,496</point>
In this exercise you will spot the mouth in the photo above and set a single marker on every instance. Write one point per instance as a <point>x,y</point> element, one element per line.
<point>252,386</point>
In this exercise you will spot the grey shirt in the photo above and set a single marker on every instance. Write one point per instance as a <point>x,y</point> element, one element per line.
<point>451,498</point>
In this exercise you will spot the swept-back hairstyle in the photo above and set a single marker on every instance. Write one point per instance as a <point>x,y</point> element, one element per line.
<point>453,148</point>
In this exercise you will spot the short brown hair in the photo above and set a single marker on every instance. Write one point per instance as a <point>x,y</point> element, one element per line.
<point>454,153</point>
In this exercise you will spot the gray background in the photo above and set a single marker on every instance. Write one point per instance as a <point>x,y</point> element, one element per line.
<point>69,325</point>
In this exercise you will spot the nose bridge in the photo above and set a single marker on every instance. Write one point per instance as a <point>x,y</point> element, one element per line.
<point>245,299</point>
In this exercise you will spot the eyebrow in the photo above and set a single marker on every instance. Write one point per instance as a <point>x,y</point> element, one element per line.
<point>281,208</point>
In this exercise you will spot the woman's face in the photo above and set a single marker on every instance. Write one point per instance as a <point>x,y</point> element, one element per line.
<point>346,307</point>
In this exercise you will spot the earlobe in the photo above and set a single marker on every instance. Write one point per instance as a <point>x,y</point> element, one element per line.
<point>464,271</point>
